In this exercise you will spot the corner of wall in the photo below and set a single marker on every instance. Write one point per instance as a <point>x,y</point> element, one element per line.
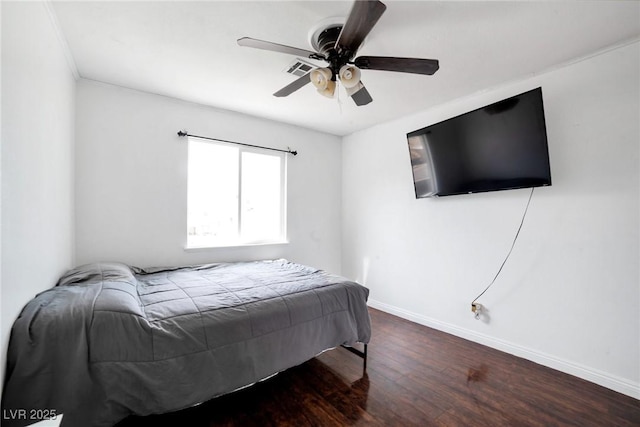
<point>64,45</point>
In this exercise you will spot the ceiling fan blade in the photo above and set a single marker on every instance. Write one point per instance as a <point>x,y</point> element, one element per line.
<point>275,47</point>
<point>362,18</point>
<point>292,87</point>
<point>359,94</point>
<point>403,65</point>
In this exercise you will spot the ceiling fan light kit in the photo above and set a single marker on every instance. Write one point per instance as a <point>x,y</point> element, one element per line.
<point>325,80</point>
<point>320,78</point>
<point>349,76</point>
<point>328,91</point>
<point>337,44</point>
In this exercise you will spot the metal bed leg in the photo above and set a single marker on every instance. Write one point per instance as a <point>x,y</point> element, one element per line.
<point>360,353</point>
<point>364,363</point>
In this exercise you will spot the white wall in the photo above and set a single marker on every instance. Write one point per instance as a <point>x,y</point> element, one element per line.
<point>569,295</point>
<point>131,185</point>
<point>38,95</point>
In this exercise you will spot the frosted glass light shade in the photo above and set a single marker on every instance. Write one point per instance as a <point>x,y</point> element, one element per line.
<point>329,90</point>
<point>320,77</point>
<point>349,76</point>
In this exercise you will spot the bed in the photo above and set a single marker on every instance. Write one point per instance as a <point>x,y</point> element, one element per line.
<point>110,340</point>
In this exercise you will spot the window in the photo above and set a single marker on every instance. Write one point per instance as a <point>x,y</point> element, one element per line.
<point>236,195</point>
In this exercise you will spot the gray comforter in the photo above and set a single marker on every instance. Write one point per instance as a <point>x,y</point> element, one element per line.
<point>111,340</point>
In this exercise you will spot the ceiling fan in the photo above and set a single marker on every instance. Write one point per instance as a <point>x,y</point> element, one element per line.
<point>337,44</point>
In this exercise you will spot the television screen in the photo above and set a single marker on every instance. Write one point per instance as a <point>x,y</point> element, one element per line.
<point>498,147</point>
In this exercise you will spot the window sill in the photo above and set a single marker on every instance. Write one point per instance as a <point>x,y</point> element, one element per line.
<point>194,248</point>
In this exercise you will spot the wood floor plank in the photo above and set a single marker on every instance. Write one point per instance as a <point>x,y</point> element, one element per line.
<point>416,376</point>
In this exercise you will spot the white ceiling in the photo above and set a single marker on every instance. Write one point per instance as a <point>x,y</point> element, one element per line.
<point>188,50</point>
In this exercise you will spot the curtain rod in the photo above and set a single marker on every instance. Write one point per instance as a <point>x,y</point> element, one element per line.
<point>288,150</point>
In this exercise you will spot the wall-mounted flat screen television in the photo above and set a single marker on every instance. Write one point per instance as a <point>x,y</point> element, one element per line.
<point>498,147</point>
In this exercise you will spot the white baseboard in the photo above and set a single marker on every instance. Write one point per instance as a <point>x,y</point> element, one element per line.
<point>609,381</point>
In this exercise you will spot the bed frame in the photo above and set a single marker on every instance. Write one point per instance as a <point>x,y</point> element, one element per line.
<point>360,353</point>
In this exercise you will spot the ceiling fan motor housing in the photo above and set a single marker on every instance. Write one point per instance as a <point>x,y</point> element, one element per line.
<point>327,39</point>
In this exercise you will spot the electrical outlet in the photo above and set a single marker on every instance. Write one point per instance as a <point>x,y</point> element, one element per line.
<point>476,309</point>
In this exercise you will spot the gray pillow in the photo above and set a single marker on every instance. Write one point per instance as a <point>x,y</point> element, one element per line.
<point>96,272</point>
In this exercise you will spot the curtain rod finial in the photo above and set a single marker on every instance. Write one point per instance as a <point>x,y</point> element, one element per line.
<point>182,133</point>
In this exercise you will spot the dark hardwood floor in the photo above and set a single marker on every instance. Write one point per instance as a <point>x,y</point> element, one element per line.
<point>416,376</point>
